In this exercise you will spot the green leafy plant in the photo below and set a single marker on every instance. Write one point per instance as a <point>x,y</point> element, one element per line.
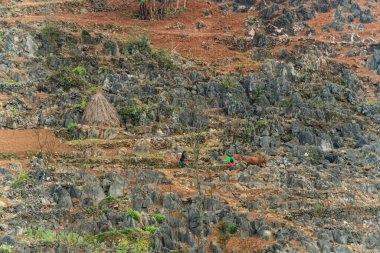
<point>110,198</point>
<point>141,45</point>
<point>94,88</point>
<point>151,229</point>
<point>134,246</point>
<point>82,71</point>
<point>230,83</point>
<point>67,79</point>
<point>21,180</point>
<point>134,112</point>
<point>250,21</point>
<point>2,34</point>
<point>135,215</point>
<point>6,248</point>
<point>247,133</point>
<point>160,218</point>
<point>232,228</point>
<point>47,235</point>
<point>72,127</point>
<point>42,234</point>
<point>50,32</point>
<point>163,59</point>
<point>82,104</point>
<point>101,237</point>
<point>141,231</point>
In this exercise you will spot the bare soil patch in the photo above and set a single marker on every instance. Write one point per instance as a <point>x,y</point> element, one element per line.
<point>20,142</point>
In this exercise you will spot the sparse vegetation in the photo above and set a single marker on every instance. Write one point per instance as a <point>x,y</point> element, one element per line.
<point>82,71</point>
<point>2,33</point>
<point>22,179</point>
<point>250,21</point>
<point>67,79</point>
<point>6,248</point>
<point>232,228</point>
<point>82,104</point>
<point>134,113</point>
<point>160,218</point>
<point>50,32</point>
<point>151,229</point>
<point>134,215</point>
<point>163,59</point>
<point>72,127</point>
<point>110,198</point>
<point>230,83</point>
<point>141,45</point>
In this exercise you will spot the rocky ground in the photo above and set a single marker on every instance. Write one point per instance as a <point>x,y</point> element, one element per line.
<point>302,89</point>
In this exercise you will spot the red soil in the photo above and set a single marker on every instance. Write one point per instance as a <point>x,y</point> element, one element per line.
<point>21,142</point>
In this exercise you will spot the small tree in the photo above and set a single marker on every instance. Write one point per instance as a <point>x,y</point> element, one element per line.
<point>46,144</point>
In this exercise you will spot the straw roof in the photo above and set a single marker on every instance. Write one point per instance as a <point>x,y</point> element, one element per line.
<point>100,112</point>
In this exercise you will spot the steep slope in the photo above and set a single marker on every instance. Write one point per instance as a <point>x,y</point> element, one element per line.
<point>314,118</point>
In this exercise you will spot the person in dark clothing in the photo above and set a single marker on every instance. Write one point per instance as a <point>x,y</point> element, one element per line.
<point>136,160</point>
<point>183,159</point>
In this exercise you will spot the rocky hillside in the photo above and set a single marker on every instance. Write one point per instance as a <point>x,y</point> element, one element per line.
<point>298,84</point>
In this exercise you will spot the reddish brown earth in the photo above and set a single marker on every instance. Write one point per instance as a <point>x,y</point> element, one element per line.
<point>208,46</point>
<point>20,142</point>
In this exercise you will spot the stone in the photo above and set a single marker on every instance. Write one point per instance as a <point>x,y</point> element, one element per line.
<point>117,186</point>
<point>215,247</point>
<point>62,197</point>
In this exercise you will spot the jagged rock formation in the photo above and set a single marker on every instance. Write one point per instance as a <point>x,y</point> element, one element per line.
<point>315,119</point>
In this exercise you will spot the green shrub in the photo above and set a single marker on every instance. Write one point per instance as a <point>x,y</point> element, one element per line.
<point>247,133</point>
<point>160,218</point>
<point>47,235</point>
<point>21,180</point>
<point>250,21</point>
<point>135,215</point>
<point>42,234</point>
<point>110,198</point>
<point>141,45</point>
<point>94,88</point>
<point>134,112</point>
<point>82,104</point>
<point>222,226</point>
<point>70,238</point>
<point>6,248</point>
<point>82,71</point>
<point>232,228</point>
<point>133,246</point>
<point>101,237</point>
<point>72,127</point>
<point>230,83</point>
<point>141,231</point>
<point>151,229</point>
<point>50,32</point>
<point>163,59</point>
<point>2,34</point>
<point>67,79</point>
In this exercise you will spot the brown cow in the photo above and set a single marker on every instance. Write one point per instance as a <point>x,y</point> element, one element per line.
<point>252,160</point>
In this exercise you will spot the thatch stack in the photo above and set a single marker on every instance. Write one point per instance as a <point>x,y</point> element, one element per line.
<point>100,112</point>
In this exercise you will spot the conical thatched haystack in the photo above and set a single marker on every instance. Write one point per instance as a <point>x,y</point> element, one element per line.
<point>100,112</point>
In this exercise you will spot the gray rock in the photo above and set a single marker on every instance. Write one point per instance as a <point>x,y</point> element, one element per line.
<point>117,186</point>
<point>93,188</point>
<point>172,201</point>
<point>62,197</point>
<point>342,249</point>
<point>215,247</point>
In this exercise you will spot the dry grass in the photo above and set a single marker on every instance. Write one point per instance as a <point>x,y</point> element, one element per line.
<point>100,112</point>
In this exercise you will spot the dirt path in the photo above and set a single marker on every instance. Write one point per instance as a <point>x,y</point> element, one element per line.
<point>20,142</point>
